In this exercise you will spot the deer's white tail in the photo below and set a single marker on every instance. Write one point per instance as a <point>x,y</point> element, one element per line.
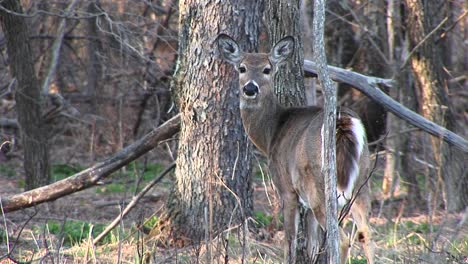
<point>350,140</point>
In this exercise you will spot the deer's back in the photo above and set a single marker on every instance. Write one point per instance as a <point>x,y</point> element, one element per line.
<point>297,155</point>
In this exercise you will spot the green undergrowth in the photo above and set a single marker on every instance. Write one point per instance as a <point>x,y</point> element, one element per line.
<point>61,171</point>
<point>151,222</point>
<point>126,179</point>
<point>7,170</point>
<point>262,219</point>
<point>74,232</point>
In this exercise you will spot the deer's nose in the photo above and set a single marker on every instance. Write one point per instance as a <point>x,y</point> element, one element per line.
<point>250,89</point>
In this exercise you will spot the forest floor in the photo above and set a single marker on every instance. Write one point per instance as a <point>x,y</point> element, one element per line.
<point>59,231</point>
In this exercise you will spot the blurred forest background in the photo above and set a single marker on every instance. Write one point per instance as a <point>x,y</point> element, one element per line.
<point>96,76</point>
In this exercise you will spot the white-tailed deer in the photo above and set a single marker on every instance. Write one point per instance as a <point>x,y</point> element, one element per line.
<point>291,140</point>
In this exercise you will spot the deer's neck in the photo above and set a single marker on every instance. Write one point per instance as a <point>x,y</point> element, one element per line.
<point>262,123</point>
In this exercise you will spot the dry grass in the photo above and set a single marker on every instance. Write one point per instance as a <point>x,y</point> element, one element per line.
<point>442,238</point>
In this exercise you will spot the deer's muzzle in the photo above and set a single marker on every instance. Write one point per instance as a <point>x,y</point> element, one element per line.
<point>250,89</point>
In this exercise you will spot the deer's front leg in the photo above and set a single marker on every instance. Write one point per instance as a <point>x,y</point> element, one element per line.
<point>291,222</point>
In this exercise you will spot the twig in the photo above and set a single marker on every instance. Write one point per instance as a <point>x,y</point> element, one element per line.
<point>9,88</point>
<point>451,26</point>
<point>378,141</point>
<point>43,12</point>
<point>133,203</point>
<point>422,42</point>
<point>369,33</point>
<point>16,242</point>
<point>347,207</point>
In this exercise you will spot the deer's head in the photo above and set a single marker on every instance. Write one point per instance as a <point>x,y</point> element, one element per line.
<point>256,70</point>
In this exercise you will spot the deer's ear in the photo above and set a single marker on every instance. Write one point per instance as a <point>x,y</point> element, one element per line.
<point>229,49</point>
<point>282,50</point>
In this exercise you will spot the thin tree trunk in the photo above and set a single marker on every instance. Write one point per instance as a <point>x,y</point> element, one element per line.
<point>310,84</point>
<point>27,96</point>
<point>328,135</point>
<point>94,69</point>
<point>212,189</point>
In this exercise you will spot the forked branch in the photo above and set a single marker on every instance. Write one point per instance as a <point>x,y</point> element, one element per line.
<point>369,86</point>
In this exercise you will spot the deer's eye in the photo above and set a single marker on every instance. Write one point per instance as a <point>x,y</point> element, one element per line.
<point>267,70</point>
<point>242,69</point>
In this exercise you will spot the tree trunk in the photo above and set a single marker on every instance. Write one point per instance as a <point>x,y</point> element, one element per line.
<point>283,19</point>
<point>27,96</point>
<point>212,190</point>
<point>427,61</point>
<point>377,60</point>
<point>306,16</point>
<point>94,69</point>
<point>328,136</point>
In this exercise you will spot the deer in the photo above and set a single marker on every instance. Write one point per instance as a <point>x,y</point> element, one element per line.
<point>290,138</point>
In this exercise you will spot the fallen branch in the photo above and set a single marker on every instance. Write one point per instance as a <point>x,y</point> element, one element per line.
<point>132,204</point>
<point>94,174</point>
<point>369,86</point>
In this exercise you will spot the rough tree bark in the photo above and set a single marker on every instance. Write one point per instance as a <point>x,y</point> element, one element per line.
<point>282,18</point>
<point>212,189</point>
<point>427,61</point>
<point>27,95</point>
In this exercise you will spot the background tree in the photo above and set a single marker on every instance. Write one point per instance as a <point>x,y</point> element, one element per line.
<point>212,189</point>
<point>427,60</point>
<point>27,96</point>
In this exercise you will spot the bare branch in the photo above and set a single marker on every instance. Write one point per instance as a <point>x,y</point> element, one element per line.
<point>74,15</point>
<point>94,174</point>
<point>369,86</point>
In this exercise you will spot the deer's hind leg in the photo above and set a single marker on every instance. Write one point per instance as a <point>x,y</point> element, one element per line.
<point>291,225</point>
<point>319,213</point>
<point>314,236</point>
<point>360,214</point>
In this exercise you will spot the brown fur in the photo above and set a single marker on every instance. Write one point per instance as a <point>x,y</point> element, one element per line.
<point>291,140</point>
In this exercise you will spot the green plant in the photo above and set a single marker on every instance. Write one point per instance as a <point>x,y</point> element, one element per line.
<point>262,219</point>
<point>3,236</point>
<point>62,171</point>
<point>357,261</point>
<point>111,188</point>
<point>74,232</point>
<point>7,171</point>
<point>151,222</point>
